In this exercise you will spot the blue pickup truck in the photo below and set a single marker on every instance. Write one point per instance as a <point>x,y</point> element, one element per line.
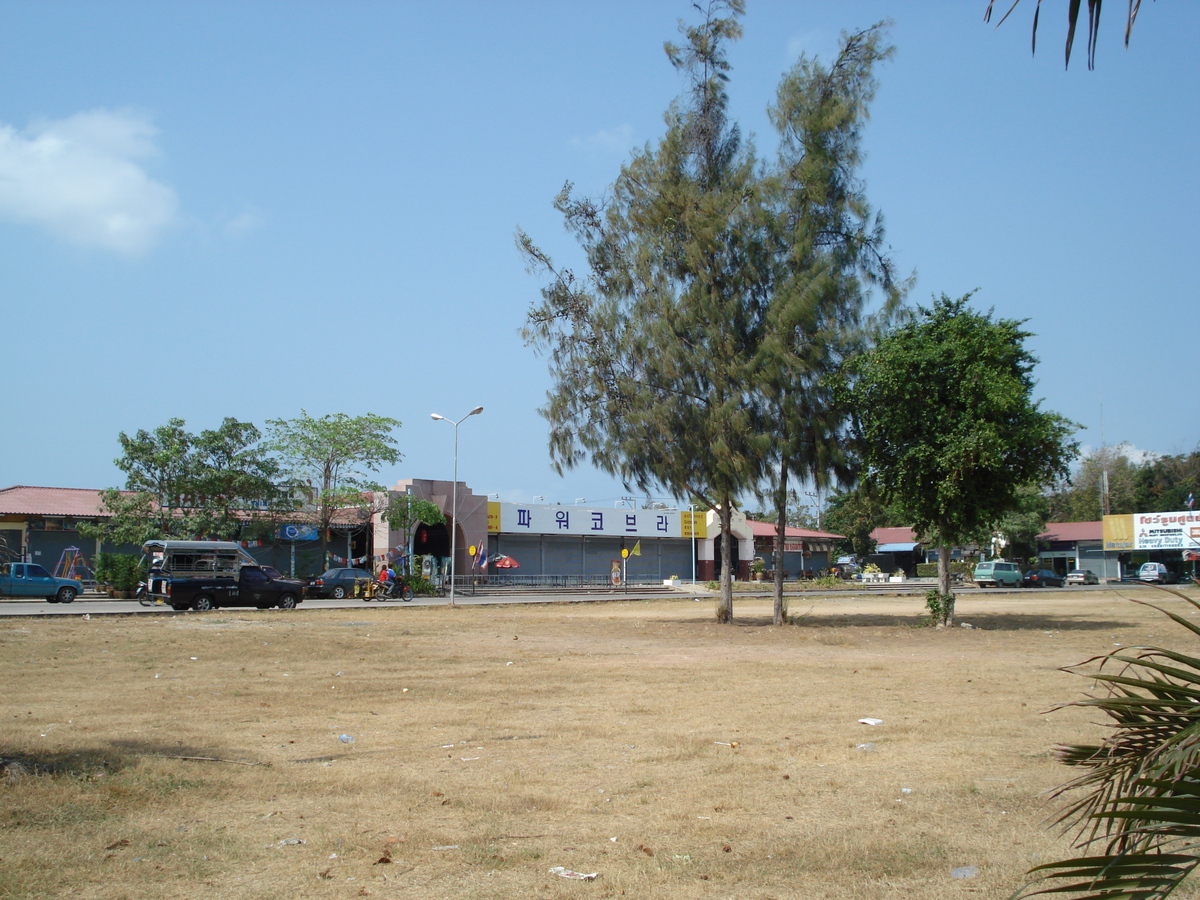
<point>32,580</point>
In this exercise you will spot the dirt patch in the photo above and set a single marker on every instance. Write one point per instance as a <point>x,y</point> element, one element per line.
<point>429,752</point>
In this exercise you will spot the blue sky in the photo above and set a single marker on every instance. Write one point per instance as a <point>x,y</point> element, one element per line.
<point>246,209</point>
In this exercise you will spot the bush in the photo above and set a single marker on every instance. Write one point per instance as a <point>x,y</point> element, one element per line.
<point>124,571</point>
<point>963,567</point>
<point>421,586</point>
<point>940,606</point>
<point>103,570</point>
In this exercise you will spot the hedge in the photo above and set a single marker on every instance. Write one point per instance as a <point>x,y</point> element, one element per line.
<point>964,567</point>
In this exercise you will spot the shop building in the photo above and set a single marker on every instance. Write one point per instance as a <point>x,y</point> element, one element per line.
<point>1171,538</point>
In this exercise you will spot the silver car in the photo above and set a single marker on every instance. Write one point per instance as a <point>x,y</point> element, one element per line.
<point>1155,572</point>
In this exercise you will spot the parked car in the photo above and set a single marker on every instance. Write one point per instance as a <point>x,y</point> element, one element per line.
<point>337,583</point>
<point>29,580</point>
<point>1042,578</point>
<point>1082,576</point>
<point>1155,572</point>
<point>205,575</point>
<point>997,573</point>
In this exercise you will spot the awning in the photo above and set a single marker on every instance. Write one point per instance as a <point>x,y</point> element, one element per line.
<point>904,547</point>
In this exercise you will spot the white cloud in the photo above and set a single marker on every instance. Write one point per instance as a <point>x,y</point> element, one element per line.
<point>617,139</point>
<point>244,222</point>
<point>80,179</point>
<point>1133,454</point>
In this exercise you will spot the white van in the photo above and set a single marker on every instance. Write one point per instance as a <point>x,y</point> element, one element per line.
<point>997,573</point>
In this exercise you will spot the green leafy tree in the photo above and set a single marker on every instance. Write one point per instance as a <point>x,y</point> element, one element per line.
<point>1086,499</point>
<point>1022,524</point>
<point>799,514</point>
<point>186,485</point>
<point>404,513</point>
<point>856,513</point>
<point>234,472</point>
<point>651,352</point>
<point>331,458</point>
<point>947,425</point>
<point>1165,483</point>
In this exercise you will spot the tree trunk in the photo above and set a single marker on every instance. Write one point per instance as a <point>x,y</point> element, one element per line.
<point>779,611</point>
<point>725,605</point>
<point>944,583</point>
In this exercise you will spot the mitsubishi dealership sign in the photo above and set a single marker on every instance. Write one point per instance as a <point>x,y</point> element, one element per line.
<point>1153,531</point>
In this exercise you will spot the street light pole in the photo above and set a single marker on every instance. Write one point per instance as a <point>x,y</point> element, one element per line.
<point>454,496</point>
<point>816,496</point>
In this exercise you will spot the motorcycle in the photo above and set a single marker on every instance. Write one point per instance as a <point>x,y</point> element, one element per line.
<point>390,590</point>
<point>144,597</point>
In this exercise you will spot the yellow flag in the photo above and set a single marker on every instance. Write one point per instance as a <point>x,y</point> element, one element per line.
<point>637,549</point>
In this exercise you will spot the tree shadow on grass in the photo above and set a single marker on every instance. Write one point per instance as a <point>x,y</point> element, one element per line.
<point>117,756</point>
<point>978,621</point>
<point>17,761</point>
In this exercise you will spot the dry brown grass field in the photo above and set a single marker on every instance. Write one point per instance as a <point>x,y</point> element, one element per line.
<point>200,755</point>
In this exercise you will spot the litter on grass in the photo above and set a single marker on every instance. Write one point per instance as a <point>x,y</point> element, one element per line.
<point>564,872</point>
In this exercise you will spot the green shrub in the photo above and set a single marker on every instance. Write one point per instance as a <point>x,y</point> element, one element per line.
<point>124,571</point>
<point>421,586</point>
<point>963,567</point>
<point>940,606</point>
<point>103,570</point>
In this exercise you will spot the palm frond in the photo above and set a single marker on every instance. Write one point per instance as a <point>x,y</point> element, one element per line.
<point>1134,876</point>
<point>1073,8</point>
<point>1141,785</point>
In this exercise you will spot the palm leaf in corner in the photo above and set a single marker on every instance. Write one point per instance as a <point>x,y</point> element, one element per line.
<point>1073,8</point>
<point>1141,808</point>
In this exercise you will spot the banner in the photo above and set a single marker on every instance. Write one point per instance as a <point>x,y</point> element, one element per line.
<point>519,518</point>
<point>1153,531</point>
<point>299,533</point>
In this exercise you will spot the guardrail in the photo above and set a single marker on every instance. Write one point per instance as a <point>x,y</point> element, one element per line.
<point>549,581</point>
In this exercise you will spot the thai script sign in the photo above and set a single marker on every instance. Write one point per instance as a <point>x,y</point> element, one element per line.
<point>1153,531</point>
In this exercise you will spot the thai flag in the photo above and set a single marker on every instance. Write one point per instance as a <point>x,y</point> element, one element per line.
<point>482,559</point>
<point>1191,500</point>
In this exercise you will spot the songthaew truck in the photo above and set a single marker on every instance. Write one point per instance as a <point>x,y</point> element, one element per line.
<point>210,574</point>
<point>31,580</point>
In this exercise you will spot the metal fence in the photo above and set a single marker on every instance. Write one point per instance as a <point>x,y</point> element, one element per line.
<point>465,583</point>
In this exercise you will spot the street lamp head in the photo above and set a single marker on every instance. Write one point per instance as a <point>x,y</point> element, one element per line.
<point>436,416</point>
<point>476,411</point>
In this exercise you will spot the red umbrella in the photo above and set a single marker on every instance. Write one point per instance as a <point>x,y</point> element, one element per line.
<point>505,562</point>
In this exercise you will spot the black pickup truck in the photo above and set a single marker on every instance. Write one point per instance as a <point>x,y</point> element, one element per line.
<point>252,587</point>
<point>211,574</point>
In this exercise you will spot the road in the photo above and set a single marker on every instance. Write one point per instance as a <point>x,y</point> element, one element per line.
<point>98,605</point>
<point>95,604</point>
